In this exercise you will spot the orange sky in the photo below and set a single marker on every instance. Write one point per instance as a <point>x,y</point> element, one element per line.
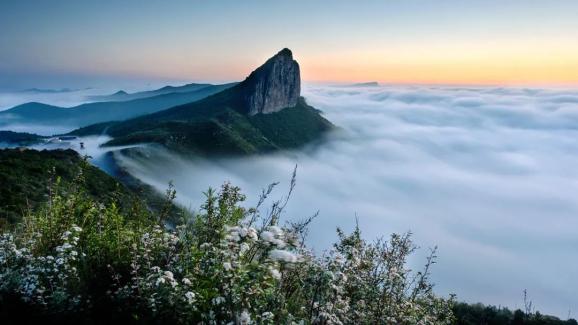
<point>529,62</point>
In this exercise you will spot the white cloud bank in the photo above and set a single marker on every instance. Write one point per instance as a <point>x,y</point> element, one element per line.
<point>490,175</point>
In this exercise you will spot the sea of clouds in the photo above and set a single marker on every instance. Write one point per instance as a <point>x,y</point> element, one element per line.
<point>489,175</point>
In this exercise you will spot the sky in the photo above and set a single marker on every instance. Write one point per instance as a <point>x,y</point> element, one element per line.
<point>87,43</point>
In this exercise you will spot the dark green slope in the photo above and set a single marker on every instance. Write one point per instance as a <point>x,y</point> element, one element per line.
<point>87,114</point>
<point>19,138</point>
<point>25,177</point>
<point>214,126</point>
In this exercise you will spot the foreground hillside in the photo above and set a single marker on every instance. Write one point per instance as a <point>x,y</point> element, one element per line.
<point>76,260</point>
<point>28,177</point>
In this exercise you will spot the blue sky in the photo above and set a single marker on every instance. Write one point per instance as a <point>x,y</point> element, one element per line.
<point>65,41</point>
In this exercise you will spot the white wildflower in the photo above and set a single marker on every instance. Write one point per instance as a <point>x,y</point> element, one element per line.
<point>234,236</point>
<point>252,233</point>
<point>245,318</point>
<point>267,315</point>
<point>282,255</point>
<point>169,275</point>
<point>190,297</point>
<point>218,300</point>
<point>267,236</point>
<point>244,248</point>
<point>276,230</point>
<point>271,237</point>
<point>275,273</point>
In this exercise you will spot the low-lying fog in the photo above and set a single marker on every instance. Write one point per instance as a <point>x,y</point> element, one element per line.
<point>489,175</point>
<point>69,97</point>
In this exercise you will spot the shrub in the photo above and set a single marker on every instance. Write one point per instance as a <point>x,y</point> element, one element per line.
<point>76,258</point>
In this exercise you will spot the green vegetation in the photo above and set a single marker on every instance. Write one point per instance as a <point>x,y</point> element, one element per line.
<point>475,314</point>
<point>76,260</point>
<point>212,127</point>
<point>28,177</point>
<point>93,129</point>
<point>19,138</point>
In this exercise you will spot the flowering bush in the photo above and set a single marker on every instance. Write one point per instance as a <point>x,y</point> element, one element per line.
<point>227,264</point>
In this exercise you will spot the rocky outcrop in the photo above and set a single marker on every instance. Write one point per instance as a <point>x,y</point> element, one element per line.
<point>273,86</point>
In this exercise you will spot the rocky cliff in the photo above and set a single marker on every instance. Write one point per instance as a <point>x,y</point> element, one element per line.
<point>273,86</point>
<point>263,113</point>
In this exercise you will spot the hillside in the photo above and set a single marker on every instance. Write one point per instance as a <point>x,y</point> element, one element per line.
<point>263,113</point>
<point>26,177</point>
<point>12,139</point>
<point>86,114</point>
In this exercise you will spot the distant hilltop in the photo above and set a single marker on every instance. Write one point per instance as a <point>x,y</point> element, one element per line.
<point>364,84</point>
<point>52,91</point>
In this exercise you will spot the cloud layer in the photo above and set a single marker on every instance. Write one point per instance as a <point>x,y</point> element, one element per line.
<point>487,174</point>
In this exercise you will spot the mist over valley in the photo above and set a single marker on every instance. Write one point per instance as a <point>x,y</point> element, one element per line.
<point>484,173</point>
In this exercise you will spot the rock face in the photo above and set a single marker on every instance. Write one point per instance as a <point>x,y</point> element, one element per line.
<point>273,86</point>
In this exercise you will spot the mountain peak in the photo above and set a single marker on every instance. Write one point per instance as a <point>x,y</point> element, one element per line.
<point>273,86</point>
<point>285,52</point>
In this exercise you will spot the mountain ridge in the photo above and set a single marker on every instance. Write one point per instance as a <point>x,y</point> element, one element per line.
<point>122,95</point>
<point>262,113</point>
<point>35,113</point>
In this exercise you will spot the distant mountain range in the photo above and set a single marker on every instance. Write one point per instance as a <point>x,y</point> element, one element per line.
<point>263,113</point>
<point>122,95</point>
<point>86,114</point>
<point>364,84</point>
<point>51,91</point>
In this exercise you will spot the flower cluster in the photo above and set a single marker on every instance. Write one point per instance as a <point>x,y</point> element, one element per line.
<point>50,280</point>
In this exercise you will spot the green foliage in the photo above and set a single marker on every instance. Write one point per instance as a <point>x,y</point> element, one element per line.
<point>19,138</point>
<point>93,129</point>
<point>474,314</point>
<point>292,127</point>
<point>210,127</point>
<point>78,260</point>
<point>28,177</point>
